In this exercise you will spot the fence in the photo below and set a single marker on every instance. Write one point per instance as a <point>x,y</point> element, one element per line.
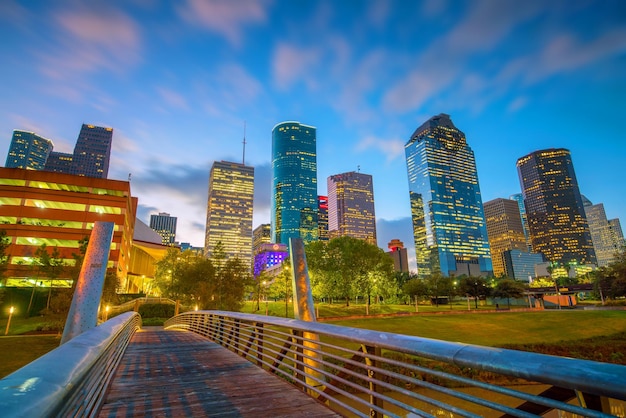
<point>368,373</point>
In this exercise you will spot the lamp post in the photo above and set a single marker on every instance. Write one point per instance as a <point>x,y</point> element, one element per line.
<point>11,309</point>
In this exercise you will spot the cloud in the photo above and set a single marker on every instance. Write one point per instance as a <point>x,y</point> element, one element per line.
<point>517,104</point>
<point>291,64</point>
<point>172,98</point>
<point>567,53</point>
<point>92,40</point>
<point>392,148</point>
<point>224,17</point>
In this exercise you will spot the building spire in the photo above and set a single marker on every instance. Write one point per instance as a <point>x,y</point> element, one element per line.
<point>244,143</point>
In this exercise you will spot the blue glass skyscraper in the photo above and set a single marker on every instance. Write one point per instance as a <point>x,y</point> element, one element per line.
<point>294,183</point>
<point>446,206</point>
<point>28,150</point>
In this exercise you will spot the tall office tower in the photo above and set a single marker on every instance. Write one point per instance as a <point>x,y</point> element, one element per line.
<point>398,254</point>
<point>446,205</point>
<point>28,150</point>
<point>351,206</point>
<point>505,232</point>
<point>322,218</point>
<point>294,183</point>
<point>607,239</point>
<point>59,162</point>
<point>229,211</point>
<point>556,217</point>
<point>519,198</point>
<point>260,235</point>
<point>165,226</point>
<point>92,152</point>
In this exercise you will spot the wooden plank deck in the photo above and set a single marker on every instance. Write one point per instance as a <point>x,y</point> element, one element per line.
<point>166,373</point>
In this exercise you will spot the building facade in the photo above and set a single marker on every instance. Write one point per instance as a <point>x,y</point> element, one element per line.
<point>28,150</point>
<point>607,236</point>
<point>229,211</point>
<point>322,218</point>
<point>505,232</point>
<point>399,255</point>
<point>92,152</point>
<point>446,205</point>
<point>59,162</point>
<point>522,265</point>
<point>519,198</point>
<point>59,210</point>
<point>164,225</point>
<point>261,235</point>
<point>268,256</point>
<point>351,206</point>
<point>294,211</point>
<point>554,207</point>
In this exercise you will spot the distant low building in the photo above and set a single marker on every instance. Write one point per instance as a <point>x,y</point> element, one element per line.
<point>398,254</point>
<point>268,256</point>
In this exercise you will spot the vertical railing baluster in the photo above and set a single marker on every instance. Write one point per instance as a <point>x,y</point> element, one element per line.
<point>259,344</point>
<point>372,378</point>
<point>299,360</point>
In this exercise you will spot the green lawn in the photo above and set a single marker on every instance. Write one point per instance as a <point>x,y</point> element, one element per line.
<point>18,351</point>
<point>496,329</point>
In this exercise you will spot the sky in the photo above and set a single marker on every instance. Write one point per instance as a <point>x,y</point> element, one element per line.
<point>179,80</point>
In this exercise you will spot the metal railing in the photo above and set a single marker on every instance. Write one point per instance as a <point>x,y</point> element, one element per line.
<point>69,381</point>
<point>365,373</point>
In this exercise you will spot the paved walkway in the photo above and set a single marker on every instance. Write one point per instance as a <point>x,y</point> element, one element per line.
<point>180,374</point>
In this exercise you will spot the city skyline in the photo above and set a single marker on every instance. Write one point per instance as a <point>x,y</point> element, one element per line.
<point>177,83</point>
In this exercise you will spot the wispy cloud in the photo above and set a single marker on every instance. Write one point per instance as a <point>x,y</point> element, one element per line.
<point>172,99</point>
<point>292,64</point>
<point>392,148</point>
<point>93,39</point>
<point>224,17</point>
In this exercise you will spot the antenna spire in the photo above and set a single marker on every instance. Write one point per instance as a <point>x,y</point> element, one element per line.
<point>244,142</point>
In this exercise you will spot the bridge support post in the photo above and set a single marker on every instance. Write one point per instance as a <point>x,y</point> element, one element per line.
<point>304,309</point>
<point>83,314</point>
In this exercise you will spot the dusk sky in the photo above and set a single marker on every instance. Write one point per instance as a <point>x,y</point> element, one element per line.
<point>177,80</point>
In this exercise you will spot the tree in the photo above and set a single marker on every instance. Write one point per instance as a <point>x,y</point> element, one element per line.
<point>347,267</point>
<point>5,242</point>
<point>416,288</point>
<point>475,287</point>
<point>508,288</point>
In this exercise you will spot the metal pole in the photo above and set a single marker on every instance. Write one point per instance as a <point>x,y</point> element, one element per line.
<point>6,332</point>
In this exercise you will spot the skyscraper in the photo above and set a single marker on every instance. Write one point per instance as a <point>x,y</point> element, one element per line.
<point>92,152</point>
<point>322,218</point>
<point>351,206</point>
<point>260,235</point>
<point>607,236</point>
<point>554,207</point>
<point>59,162</point>
<point>519,198</point>
<point>505,232</point>
<point>229,211</point>
<point>398,254</point>
<point>165,226</point>
<point>446,205</point>
<point>294,183</point>
<point>28,150</point>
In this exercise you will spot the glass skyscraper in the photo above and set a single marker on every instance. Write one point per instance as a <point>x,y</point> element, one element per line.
<point>606,235</point>
<point>165,226</point>
<point>294,183</point>
<point>28,150</point>
<point>554,207</point>
<point>505,231</point>
<point>92,152</point>
<point>446,205</point>
<point>229,210</point>
<point>351,206</point>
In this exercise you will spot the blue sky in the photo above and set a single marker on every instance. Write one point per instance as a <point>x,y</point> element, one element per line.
<point>177,80</point>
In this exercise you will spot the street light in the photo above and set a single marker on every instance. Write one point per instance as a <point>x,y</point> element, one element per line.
<point>11,309</point>
<point>106,313</point>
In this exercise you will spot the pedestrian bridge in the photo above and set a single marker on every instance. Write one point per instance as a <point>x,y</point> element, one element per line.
<point>227,364</point>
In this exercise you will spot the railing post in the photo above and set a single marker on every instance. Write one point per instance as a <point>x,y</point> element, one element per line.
<point>299,373</point>
<point>237,331</point>
<point>259,355</point>
<point>371,377</point>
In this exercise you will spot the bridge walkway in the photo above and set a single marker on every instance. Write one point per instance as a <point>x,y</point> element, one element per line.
<point>178,373</point>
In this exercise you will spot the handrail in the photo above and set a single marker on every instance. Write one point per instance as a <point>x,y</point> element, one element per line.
<point>71,379</point>
<point>389,374</point>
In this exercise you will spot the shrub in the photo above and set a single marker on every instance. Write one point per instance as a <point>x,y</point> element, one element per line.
<point>156,310</point>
